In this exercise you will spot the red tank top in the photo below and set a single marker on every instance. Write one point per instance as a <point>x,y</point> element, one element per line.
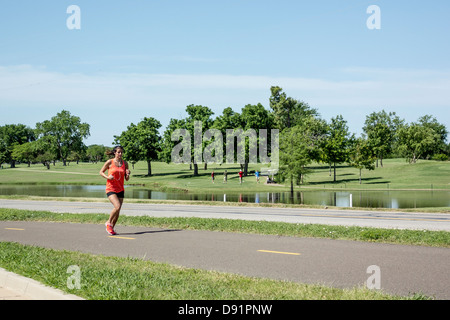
<point>116,185</point>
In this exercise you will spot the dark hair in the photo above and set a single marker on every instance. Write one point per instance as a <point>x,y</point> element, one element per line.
<point>113,151</point>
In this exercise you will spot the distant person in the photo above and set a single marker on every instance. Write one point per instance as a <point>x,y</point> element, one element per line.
<point>115,191</point>
<point>212,176</point>
<point>240,176</point>
<point>257,176</point>
<point>225,178</point>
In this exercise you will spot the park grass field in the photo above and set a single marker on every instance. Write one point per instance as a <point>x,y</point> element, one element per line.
<point>396,174</point>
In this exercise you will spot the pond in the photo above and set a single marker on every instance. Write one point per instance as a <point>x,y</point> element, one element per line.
<point>365,199</point>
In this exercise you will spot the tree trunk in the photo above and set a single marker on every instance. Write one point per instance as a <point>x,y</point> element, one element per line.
<point>360,175</point>
<point>195,169</point>
<point>149,168</point>
<point>334,172</point>
<point>292,187</point>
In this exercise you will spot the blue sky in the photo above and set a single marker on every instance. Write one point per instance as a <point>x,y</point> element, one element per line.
<point>135,59</point>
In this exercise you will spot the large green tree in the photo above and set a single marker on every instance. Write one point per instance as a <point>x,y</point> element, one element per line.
<point>187,129</point>
<point>199,114</point>
<point>287,111</point>
<point>12,135</point>
<point>167,144</point>
<point>141,142</point>
<point>24,152</point>
<point>337,144</point>
<point>255,118</point>
<point>229,119</point>
<point>299,147</point>
<point>96,152</point>
<point>64,133</point>
<point>380,128</point>
<point>362,156</point>
<point>416,140</point>
<point>440,136</point>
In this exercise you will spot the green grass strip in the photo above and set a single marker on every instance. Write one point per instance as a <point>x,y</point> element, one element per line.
<point>104,278</point>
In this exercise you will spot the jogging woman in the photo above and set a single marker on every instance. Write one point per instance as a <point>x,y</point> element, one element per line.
<point>115,191</point>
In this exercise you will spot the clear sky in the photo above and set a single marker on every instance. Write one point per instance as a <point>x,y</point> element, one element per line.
<point>140,58</point>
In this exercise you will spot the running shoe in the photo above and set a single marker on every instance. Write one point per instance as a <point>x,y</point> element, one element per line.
<point>110,229</point>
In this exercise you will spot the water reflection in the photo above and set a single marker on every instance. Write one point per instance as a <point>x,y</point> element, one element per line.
<point>366,199</point>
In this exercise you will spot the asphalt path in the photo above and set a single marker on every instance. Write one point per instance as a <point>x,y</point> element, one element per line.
<point>396,269</point>
<point>378,219</point>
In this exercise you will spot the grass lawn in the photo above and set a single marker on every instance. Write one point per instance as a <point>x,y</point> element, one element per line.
<point>396,174</point>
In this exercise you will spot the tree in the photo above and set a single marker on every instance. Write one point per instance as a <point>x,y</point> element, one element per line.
<point>41,150</point>
<point>196,113</point>
<point>24,152</point>
<point>12,135</point>
<point>416,140</point>
<point>293,155</point>
<point>299,147</point>
<point>203,115</point>
<point>440,131</point>
<point>141,142</point>
<point>380,128</point>
<point>64,133</point>
<point>76,156</point>
<point>362,156</point>
<point>287,111</point>
<point>167,145</point>
<point>336,145</point>
<point>255,117</point>
<point>229,119</point>
<point>95,152</point>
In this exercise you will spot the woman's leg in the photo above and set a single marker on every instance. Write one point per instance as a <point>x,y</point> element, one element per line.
<point>114,215</point>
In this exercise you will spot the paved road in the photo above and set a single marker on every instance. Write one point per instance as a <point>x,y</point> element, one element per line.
<point>402,269</point>
<point>381,219</point>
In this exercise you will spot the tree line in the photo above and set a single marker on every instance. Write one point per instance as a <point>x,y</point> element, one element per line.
<point>304,138</point>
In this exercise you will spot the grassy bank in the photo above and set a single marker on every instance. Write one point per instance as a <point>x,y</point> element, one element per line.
<point>395,175</point>
<point>394,236</point>
<point>105,278</point>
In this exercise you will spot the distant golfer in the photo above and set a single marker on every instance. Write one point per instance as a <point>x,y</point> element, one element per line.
<point>212,176</point>
<point>257,176</point>
<point>240,176</point>
<point>115,191</point>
